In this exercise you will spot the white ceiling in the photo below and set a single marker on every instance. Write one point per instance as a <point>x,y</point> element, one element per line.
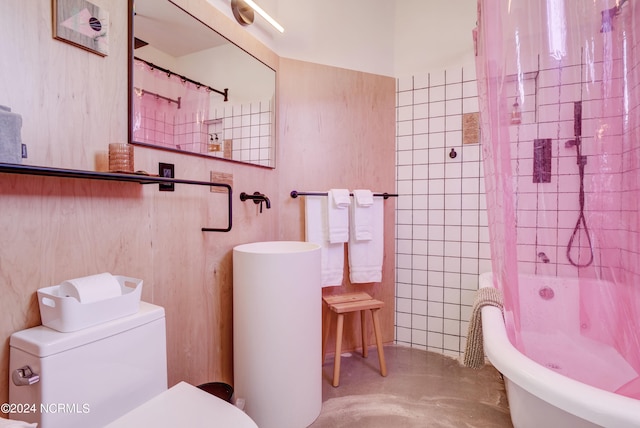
<point>160,22</point>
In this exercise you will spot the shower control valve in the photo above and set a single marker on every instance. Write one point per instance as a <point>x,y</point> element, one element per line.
<point>24,376</point>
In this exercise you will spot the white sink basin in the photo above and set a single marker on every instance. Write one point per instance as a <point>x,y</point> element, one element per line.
<point>276,247</point>
<point>277,332</point>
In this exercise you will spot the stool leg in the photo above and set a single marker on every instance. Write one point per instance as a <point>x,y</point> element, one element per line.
<point>336,360</point>
<point>363,327</point>
<point>376,328</point>
<point>325,336</point>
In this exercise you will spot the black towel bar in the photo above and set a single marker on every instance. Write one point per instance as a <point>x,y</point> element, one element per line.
<point>295,194</point>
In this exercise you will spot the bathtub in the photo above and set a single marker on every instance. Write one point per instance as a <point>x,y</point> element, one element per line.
<point>540,395</point>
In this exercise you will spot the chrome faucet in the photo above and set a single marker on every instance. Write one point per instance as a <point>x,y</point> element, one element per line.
<point>257,197</point>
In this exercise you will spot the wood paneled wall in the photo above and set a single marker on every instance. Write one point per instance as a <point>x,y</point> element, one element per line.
<point>338,131</point>
<point>335,129</point>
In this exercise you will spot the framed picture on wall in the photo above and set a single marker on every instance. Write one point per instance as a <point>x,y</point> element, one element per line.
<point>81,24</point>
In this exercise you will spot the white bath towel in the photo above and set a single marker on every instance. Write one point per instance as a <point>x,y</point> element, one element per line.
<point>331,255</point>
<point>338,215</point>
<point>362,218</point>
<point>365,257</point>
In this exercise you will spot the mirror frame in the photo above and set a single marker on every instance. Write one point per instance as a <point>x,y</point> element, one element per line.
<point>130,99</point>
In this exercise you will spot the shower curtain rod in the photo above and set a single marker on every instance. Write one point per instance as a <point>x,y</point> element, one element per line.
<point>162,97</point>
<point>295,194</point>
<point>224,93</point>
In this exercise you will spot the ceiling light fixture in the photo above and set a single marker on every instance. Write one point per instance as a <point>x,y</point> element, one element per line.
<point>244,14</point>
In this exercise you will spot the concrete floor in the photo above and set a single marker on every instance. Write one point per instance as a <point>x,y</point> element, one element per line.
<point>422,389</point>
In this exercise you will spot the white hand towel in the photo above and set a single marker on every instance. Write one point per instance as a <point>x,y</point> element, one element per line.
<point>338,215</point>
<point>331,255</point>
<point>361,221</point>
<point>365,257</point>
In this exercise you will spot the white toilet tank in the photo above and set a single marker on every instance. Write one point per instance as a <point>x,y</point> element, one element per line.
<point>90,377</point>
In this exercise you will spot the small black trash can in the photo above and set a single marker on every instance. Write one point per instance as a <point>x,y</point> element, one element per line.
<point>219,389</point>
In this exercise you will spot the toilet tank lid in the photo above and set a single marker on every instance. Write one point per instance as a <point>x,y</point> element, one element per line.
<point>43,341</point>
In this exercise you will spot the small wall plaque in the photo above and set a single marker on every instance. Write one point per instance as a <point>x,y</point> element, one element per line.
<point>223,178</point>
<point>471,128</point>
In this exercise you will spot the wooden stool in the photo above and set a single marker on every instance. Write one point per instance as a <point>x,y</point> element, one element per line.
<point>346,303</point>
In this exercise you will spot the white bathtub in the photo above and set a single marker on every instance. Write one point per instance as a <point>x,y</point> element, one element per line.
<point>542,397</point>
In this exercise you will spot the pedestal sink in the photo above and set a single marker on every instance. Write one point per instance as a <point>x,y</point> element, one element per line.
<point>277,332</point>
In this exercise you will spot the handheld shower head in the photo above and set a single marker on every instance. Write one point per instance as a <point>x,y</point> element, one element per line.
<point>607,16</point>
<point>607,19</point>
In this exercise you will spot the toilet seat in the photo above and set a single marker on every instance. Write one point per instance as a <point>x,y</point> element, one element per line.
<point>184,405</point>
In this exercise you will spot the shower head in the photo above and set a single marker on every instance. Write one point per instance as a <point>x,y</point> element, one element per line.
<point>607,16</point>
<point>607,19</point>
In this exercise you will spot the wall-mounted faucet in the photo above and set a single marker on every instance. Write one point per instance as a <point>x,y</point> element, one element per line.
<point>257,197</point>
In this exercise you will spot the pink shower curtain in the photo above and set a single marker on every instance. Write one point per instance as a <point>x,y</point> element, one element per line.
<point>177,124</point>
<point>559,86</point>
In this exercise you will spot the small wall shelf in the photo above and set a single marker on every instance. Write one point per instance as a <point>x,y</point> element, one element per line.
<point>115,176</point>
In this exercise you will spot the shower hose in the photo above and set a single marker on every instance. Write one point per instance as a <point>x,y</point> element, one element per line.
<point>582,161</point>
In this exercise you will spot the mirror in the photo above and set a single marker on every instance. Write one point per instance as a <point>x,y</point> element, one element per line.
<point>193,91</point>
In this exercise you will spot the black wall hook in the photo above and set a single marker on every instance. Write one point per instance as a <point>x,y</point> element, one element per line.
<point>453,154</point>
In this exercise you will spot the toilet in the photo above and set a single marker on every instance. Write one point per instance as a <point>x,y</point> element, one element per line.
<point>115,372</point>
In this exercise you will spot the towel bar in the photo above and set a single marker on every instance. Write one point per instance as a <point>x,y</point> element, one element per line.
<point>294,194</point>
<point>115,176</point>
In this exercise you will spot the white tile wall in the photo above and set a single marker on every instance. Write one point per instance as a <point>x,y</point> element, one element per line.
<point>547,213</point>
<point>442,234</point>
<point>249,126</point>
<point>441,230</point>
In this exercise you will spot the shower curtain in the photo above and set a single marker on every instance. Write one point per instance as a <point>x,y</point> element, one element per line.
<point>559,94</point>
<point>168,111</point>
